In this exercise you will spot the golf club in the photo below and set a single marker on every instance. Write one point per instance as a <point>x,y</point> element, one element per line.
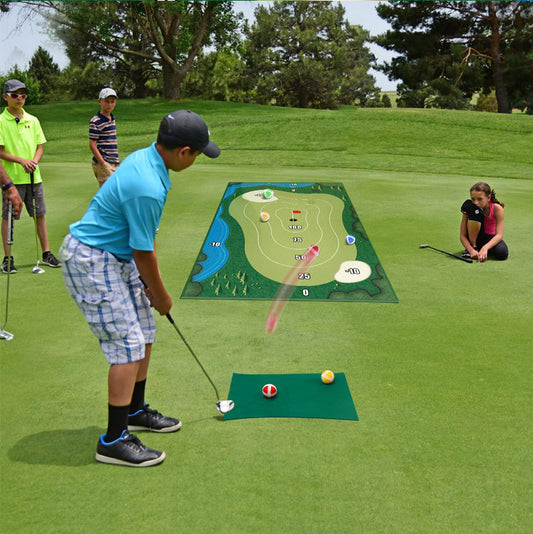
<point>468,260</point>
<point>36,269</point>
<point>223,406</point>
<point>3,333</point>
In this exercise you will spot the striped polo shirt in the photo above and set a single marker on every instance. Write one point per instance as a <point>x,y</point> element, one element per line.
<point>103,130</point>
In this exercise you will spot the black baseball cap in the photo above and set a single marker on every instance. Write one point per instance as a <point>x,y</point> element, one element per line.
<point>186,128</point>
<point>10,86</point>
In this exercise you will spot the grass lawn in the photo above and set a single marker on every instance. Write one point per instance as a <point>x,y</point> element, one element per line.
<point>441,380</point>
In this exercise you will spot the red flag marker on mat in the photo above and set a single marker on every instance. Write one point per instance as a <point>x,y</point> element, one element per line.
<point>287,287</point>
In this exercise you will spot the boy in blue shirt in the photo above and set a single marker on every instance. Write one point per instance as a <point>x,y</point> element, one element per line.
<point>108,256</point>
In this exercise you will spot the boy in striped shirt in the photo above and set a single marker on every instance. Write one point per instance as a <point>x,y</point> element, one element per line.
<point>103,137</point>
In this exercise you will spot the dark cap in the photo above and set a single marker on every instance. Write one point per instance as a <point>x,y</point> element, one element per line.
<point>186,128</point>
<point>13,85</point>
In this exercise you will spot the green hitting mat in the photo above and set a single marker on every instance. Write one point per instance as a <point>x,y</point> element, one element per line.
<point>299,395</point>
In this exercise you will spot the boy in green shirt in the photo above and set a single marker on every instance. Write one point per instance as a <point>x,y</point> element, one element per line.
<point>21,148</point>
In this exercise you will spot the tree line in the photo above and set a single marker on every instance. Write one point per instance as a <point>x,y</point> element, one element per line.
<point>449,50</point>
<point>295,53</point>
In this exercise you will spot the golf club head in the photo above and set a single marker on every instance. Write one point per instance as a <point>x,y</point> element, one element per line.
<point>6,335</point>
<point>225,406</point>
<point>37,269</point>
<point>423,246</point>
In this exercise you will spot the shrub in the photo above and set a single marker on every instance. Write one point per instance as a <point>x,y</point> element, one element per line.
<point>487,102</point>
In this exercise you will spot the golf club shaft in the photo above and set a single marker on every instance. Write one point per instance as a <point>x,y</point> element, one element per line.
<point>467,260</point>
<point>10,226</point>
<point>172,322</point>
<point>34,217</point>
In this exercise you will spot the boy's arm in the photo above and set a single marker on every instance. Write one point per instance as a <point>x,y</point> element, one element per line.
<point>29,165</point>
<point>148,267</point>
<point>38,155</point>
<point>96,152</point>
<point>12,194</point>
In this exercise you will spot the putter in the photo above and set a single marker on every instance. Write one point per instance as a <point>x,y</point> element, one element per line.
<point>3,333</point>
<point>223,406</point>
<point>468,260</point>
<point>36,269</point>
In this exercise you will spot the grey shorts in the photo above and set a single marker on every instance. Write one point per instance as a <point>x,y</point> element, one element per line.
<point>111,295</point>
<point>25,193</point>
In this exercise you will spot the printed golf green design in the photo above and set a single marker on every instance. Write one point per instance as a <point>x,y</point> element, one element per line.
<point>246,255</point>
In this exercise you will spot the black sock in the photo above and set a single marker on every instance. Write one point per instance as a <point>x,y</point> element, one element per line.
<point>137,399</point>
<point>117,422</point>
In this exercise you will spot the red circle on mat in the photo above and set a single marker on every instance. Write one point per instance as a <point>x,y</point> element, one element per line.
<point>269,390</point>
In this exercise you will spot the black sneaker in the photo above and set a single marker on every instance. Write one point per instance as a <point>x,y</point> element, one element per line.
<point>466,254</point>
<point>152,420</point>
<point>127,450</point>
<point>8,265</point>
<point>50,260</point>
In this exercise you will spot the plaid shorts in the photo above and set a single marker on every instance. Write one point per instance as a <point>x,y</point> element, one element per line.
<point>111,295</point>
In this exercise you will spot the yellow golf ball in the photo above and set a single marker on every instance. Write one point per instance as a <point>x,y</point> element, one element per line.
<point>327,376</point>
<point>264,216</point>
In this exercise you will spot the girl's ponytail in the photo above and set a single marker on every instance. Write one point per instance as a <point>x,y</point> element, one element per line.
<point>495,200</point>
<point>485,188</point>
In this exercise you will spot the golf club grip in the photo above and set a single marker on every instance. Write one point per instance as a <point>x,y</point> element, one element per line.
<point>170,318</point>
<point>467,260</point>
<point>32,180</point>
<point>32,184</point>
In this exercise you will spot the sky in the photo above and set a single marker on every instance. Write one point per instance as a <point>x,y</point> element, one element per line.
<point>17,47</point>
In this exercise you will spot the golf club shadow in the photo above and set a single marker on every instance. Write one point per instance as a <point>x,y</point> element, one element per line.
<point>64,447</point>
<point>219,417</point>
<point>458,254</point>
<point>30,266</point>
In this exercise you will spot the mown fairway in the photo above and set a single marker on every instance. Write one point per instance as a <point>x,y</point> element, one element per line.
<point>441,380</point>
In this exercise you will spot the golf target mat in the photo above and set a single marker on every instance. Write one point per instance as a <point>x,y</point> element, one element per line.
<point>261,229</point>
<point>298,395</point>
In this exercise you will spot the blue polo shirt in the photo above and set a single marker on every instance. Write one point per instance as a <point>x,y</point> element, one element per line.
<point>125,213</point>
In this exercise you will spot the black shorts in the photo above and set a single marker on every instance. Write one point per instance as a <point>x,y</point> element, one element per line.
<point>498,251</point>
<point>474,213</point>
